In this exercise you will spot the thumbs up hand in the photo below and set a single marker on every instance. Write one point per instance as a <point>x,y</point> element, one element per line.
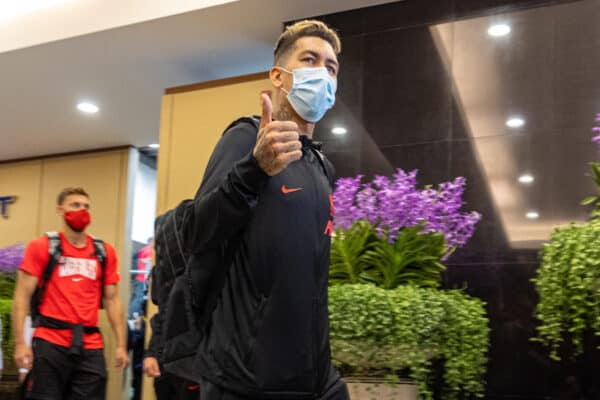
<point>277,143</point>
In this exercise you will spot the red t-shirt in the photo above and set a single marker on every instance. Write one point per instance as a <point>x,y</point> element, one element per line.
<point>73,291</point>
<point>144,259</point>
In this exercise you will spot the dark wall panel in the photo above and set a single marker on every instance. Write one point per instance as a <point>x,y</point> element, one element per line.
<point>409,102</point>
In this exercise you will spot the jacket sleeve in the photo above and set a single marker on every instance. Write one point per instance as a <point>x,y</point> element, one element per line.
<point>228,192</point>
<point>155,344</point>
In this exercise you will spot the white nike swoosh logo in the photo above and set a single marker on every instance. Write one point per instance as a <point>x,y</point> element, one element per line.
<point>77,279</point>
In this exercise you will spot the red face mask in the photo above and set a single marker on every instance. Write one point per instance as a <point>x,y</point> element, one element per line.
<point>78,220</point>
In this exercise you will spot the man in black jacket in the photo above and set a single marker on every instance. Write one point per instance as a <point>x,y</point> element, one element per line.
<point>261,229</point>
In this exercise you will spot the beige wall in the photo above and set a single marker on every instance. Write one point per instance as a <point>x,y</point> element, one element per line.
<point>22,180</point>
<point>191,123</point>
<point>108,178</point>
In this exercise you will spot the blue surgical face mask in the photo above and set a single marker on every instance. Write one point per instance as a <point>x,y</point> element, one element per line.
<point>312,93</point>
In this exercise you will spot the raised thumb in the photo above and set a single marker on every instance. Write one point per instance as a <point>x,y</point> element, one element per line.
<point>267,110</point>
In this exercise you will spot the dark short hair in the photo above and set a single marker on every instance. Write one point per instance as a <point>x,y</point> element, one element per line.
<point>301,29</point>
<point>68,192</point>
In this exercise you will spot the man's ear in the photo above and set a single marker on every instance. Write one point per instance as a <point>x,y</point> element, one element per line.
<point>275,76</point>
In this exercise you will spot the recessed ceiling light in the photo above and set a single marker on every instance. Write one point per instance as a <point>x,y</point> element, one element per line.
<point>498,30</point>
<point>154,145</point>
<point>532,215</point>
<point>515,122</point>
<point>339,130</point>
<point>87,107</point>
<point>526,179</point>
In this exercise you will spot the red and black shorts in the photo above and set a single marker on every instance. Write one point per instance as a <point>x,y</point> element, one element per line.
<point>57,375</point>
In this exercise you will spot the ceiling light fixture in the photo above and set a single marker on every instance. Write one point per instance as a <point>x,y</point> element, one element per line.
<point>339,130</point>
<point>11,8</point>
<point>526,179</point>
<point>86,107</point>
<point>515,122</point>
<point>532,215</point>
<point>498,30</point>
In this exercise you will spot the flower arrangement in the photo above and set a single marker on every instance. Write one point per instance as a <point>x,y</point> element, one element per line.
<point>387,315</point>
<point>389,232</point>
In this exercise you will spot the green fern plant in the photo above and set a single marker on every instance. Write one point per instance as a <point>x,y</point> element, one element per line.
<point>414,258</point>
<point>358,255</point>
<point>348,247</point>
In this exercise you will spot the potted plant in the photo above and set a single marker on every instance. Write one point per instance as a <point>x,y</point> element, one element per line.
<point>568,281</point>
<point>388,318</point>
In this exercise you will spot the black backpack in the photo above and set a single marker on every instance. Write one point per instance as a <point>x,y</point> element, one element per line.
<point>55,252</point>
<point>172,291</point>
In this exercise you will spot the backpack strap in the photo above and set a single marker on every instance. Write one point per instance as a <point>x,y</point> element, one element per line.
<point>100,254</point>
<point>326,166</point>
<point>54,244</point>
<point>253,120</point>
<point>54,252</point>
<point>99,251</point>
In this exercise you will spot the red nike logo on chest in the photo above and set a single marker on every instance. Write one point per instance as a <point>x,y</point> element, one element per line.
<point>285,190</point>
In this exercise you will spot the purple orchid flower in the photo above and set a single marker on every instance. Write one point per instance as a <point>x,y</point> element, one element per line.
<point>392,204</point>
<point>11,257</point>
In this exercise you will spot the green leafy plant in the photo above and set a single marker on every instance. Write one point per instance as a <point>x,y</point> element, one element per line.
<point>10,258</point>
<point>568,281</point>
<point>594,199</point>
<point>359,255</point>
<point>348,247</point>
<point>568,284</point>
<point>413,258</point>
<point>8,343</point>
<point>381,332</point>
<point>7,285</point>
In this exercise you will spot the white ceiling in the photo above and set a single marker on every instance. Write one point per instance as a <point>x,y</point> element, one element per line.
<point>50,20</point>
<point>125,70</point>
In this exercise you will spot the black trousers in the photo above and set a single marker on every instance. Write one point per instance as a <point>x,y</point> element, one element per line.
<point>57,375</point>
<point>210,391</point>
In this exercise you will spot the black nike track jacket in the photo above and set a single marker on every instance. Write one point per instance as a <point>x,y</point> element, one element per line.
<point>266,241</point>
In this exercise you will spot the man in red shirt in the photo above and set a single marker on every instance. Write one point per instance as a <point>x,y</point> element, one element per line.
<point>144,261</point>
<point>66,358</point>
<point>138,284</point>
